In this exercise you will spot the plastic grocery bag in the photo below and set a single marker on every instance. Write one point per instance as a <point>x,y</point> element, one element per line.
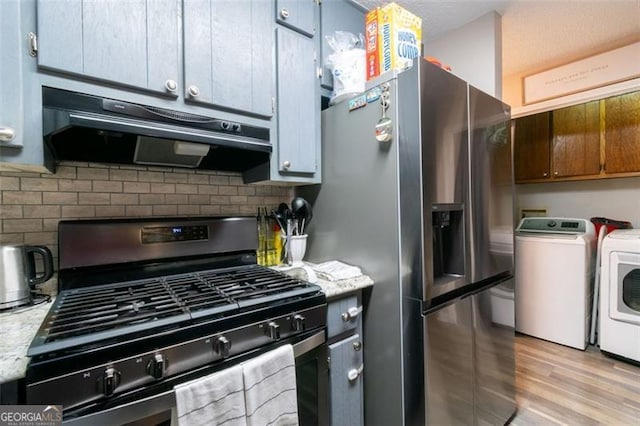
<point>347,64</point>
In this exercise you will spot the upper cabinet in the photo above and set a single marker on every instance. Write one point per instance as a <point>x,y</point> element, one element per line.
<point>296,126</point>
<point>622,133</point>
<point>228,54</point>
<point>228,48</point>
<point>252,61</point>
<point>297,15</point>
<point>531,149</point>
<point>11,105</point>
<point>132,44</point>
<point>576,140</point>
<point>21,145</point>
<point>595,140</point>
<point>338,15</point>
<point>298,129</point>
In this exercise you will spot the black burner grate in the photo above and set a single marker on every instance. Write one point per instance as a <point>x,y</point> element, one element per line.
<point>90,314</point>
<point>92,310</point>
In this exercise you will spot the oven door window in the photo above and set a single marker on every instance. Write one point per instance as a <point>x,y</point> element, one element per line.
<point>311,382</point>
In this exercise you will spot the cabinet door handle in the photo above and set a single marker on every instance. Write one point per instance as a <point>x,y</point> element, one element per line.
<point>545,174</point>
<point>286,165</point>
<point>357,346</point>
<point>354,373</point>
<point>33,44</point>
<point>171,85</point>
<point>284,13</point>
<point>7,134</point>
<point>351,313</point>
<point>194,91</point>
<point>556,173</point>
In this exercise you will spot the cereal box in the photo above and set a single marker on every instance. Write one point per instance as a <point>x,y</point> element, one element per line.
<point>393,39</point>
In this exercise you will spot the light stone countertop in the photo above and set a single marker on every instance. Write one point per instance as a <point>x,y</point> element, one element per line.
<point>17,329</point>
<point>332,289</point>
<point>336,289</point>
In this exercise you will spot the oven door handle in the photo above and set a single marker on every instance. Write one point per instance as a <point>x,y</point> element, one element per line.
<point>167,400</point>
<point>308,344</point>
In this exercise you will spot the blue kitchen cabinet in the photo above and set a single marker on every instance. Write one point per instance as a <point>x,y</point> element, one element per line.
<point>228,54</point>
<point>298,15</point>
<point>337,15</point>
<point>134,44</point>
<point>346,364</point>
<point>298,128</point>
<point>12,105</point>
<point>20,121</point>
<point>295,130</point>
<point>297,152</point>
<point>227,48</point>
<point>220,58</point>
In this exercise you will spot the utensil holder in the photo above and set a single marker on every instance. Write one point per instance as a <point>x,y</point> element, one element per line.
<point>296,248</point>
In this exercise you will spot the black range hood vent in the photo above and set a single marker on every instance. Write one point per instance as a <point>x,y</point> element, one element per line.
<point>79,127</point>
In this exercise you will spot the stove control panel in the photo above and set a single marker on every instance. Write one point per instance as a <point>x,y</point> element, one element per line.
<point>130,373</point>
<point>172,234</point>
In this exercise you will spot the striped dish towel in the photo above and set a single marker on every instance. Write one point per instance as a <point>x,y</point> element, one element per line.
<point>270,388</point>
<point>217,399</point>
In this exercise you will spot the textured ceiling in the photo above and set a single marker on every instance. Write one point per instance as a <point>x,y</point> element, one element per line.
<point>536,34</point>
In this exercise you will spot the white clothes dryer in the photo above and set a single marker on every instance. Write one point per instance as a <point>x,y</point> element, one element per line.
<point>554,270</point>
<point>620,294</point>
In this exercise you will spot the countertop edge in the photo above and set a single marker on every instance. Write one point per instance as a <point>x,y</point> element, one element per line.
<point>18,328</point>
<point>336,289</point>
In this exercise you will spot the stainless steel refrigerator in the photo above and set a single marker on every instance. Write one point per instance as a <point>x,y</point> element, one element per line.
<point>418,191</point>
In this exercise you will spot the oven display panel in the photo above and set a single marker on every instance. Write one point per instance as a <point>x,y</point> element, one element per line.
<point>171,234</point>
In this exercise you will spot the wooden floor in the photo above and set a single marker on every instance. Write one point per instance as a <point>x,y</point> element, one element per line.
<point>558,385</point>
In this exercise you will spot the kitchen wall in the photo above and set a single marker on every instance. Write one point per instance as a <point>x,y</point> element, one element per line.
<point>32,204</point>
<point>612,198</point>
<point>474,52</point>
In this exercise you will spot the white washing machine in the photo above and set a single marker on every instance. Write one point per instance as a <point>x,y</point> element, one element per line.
<point>554,279</point>
<point>620,294</point>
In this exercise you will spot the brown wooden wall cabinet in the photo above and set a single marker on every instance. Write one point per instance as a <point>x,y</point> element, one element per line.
<point>531,148</point>
<point>622,133</point>
<point>595,140</point>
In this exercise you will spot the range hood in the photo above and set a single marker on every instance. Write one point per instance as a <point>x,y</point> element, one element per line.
<point>80,127</point>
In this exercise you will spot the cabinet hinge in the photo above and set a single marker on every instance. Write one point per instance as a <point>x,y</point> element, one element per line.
<point>273,105</point>
<point>33,44</point>
<point>318,2</point>
<point>319,72</point>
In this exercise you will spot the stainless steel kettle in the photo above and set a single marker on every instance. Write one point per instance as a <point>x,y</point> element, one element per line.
<point>18,274</point>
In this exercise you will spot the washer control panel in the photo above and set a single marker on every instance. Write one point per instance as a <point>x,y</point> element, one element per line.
<point>554,225</point>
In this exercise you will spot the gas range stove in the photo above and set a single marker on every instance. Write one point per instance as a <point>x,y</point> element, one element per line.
<point>146,304</point>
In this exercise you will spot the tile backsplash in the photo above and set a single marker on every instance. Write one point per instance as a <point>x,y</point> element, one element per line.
<point>32,204</point>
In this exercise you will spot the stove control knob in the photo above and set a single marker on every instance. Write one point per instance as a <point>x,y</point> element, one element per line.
<point>222,346</point>
<point>273,331</point>
<point>298,323</point>
<point>110,381</point>
<point>157,366</point>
